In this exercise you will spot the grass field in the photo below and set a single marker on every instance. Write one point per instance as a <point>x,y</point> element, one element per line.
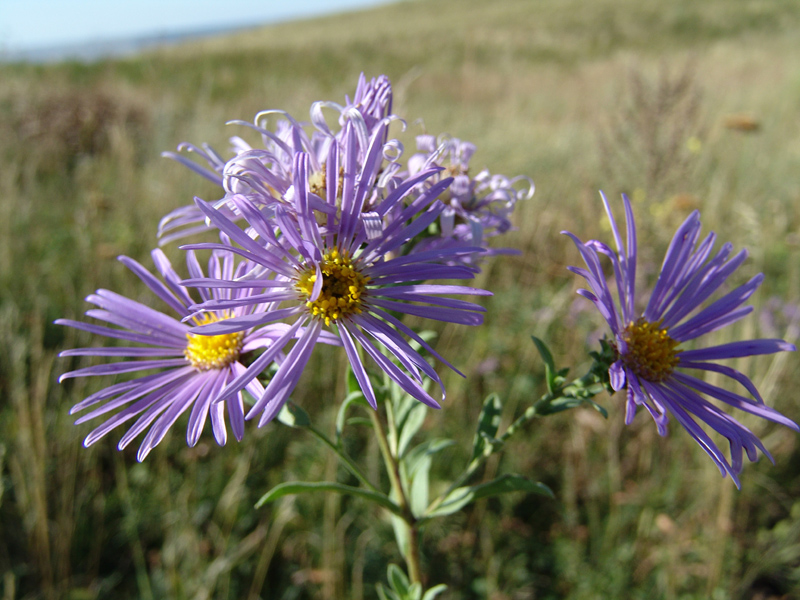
<point>681,104</point>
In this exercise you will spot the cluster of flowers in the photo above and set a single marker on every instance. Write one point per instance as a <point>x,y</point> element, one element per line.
<point>325,236</point>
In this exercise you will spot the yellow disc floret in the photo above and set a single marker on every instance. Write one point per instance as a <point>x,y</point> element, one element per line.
<point>651,351</point>
<point>206,352</point>
<point>343,287</point>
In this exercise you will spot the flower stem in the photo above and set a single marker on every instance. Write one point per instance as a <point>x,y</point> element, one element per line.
<point>348,463</point>
<point>411,552</point>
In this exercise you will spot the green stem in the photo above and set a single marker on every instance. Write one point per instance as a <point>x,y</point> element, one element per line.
<point>529,415</point>
<point>348,463</point>
<point>411,553</point>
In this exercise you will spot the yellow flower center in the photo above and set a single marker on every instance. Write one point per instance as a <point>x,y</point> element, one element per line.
<point>343,287</point>
<point>651,351</point>
<point>207,352</point>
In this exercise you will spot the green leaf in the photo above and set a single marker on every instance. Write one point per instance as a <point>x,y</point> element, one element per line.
<point>597,407</point>
<point>397,579</point>
<point>414,591</point>
<point>400,534</point>
<point>549,364</point>
<point>461,497</point>
<point>490,444</point>
<point>414,473</point>
<point>434,591</point>
<point>396,414</point>
<point>544,352</point>
<point>567,402</point>
<point>385,594</point>
<point>301,487</point>
<point>427,448</point>
<point>354,397</point>
<point>400,587</point>
<point>293,416</point>
<point>418,492</point>
<point>403,407</point>
<point>397,394</point>
<point>488,424</point>
<point>410,426</point>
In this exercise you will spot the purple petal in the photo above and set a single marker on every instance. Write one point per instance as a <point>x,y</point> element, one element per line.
<point>431,312</point>
<point>158,288</point>
<point>285,380</point>
<point>727,371</point>
<point>701,437</point>
<point>124,351</point>
<point>124,367</point>
<point>410,386</point>
<point>717,311</point>
<point>244,378</point>
<point>735,400</point>
<point>153,384</point>
<point>737,350</point>
<point>243,322</point>
<point>358,367</point>
<point>400,293</point>
<point>213,381</point>
<point>616,374</point>
<point>119,334</point>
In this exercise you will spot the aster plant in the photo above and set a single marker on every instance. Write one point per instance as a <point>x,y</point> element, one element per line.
<point>657,362</point>
<point>325,233</point>
<point>320,233</point>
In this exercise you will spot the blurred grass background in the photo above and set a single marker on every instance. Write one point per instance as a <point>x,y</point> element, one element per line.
<point>681,104</point>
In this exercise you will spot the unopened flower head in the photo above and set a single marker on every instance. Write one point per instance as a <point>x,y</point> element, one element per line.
<point>654,363</point>
<point>335,274</point>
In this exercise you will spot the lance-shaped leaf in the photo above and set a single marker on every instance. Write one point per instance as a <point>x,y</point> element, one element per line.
<point>488,424</point>
<point>410,426</point>
<point>398,580</point>
<point>566,402</point>
<point>354,398</point>
<point>414,473</point>
<point>302,487</point>
<point>434,591</point>
<point>461,497</point>
<point>400,588</point>
<point>293,416</point>
<point>550,371</point>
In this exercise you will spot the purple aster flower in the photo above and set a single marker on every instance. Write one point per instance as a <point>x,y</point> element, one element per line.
<point>191,369</point>
<point>328,271</point>
<point>653,361</point>
<point>264,175</point>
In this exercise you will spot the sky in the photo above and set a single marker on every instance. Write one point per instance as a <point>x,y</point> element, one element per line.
<point>31,25</point>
